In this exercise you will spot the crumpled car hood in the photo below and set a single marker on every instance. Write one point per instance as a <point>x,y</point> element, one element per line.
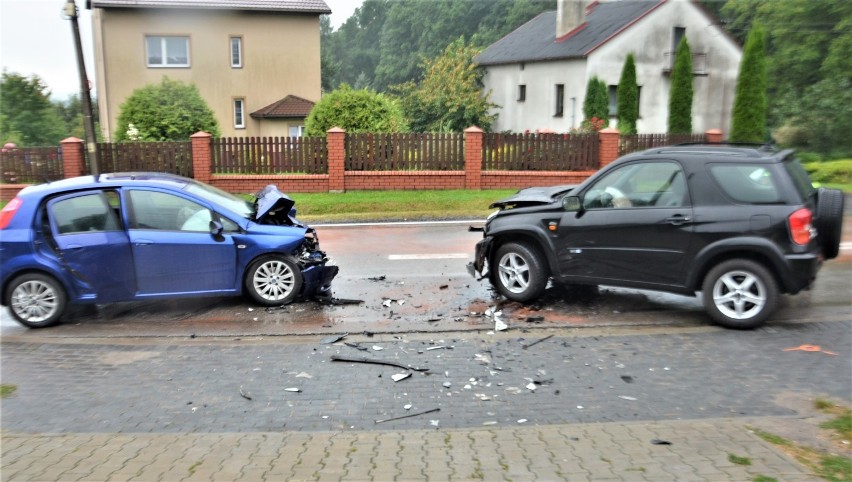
<point>271,200</point>
<point>533,196</point>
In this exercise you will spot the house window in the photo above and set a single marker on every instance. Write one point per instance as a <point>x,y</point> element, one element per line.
<point>167,51</point>
<point>239,113</point>
<point>677,35</point>
<point>522,93</point>
<point>297,131</point>
<point>613,100</point>
<point>572,112</point>
<point>560,100</point>
<point>236,52</point>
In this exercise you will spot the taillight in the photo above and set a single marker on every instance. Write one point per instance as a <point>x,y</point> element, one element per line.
<point>800,226</point>
<point>8,212</point>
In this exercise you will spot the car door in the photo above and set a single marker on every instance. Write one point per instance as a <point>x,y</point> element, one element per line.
<point>174,251</point>
<point>90,241</point>
<point>635,226</point>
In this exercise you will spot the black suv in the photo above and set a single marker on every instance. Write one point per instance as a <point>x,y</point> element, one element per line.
<point>739,224</point>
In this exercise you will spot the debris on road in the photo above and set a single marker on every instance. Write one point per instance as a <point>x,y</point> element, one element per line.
<point>377,278</point>
<point>356,346</point>
<point>377,348</point>
<point>409,415</point>
<point>377,362</point>
<point>625,397</point>
<point>627,378</point>
<point>328,300</point>
<point>811,348</point>
<point>245,394</point>
<point>333,339</point>
<point>296,390</point>
<point>535,319</point>
<point>537,342</point>
<point>400,376</point>
<point>660,442</point>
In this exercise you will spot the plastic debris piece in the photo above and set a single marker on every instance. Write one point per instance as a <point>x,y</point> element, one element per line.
<point>400,302</point>
<point>499,325</point>
<point>625,397</point>
<point>377,348</point>
<point>443,287</point>
<point>333,339</point>
<point>303,375</point>
<point>439,347</point>
<point>434,423</point>
<point>377,362</point>
<point>377,278</point>
<point>580,407</point>
<point>660,442</point>
<point>812,348</point>
<point>410,415</point>
<point>400,376</point>
<point>244,393</point>
<point>355,346</point>
<point>296,390</point>
<point>490,422</point>
<point>407,406</point>
<point>627,378</point>
<point>447,384</point>
<point>531,387</point>
<point>328,300</point>
<point>522,420</point>
<point>387,303</point>
<point>537,342</point>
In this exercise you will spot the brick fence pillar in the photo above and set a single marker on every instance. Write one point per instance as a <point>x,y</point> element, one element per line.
<point>202,156</point>
<point>336,160</point>
<point>473,137</point>
<point>608,150</point>
<point>73,157</point>
<point>714,136</point>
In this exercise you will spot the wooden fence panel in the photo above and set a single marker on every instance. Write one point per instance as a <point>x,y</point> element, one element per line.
<point>540,152</point>
<point>270,155</point>
<point>31,165</point>
<point>170,157</point>
<point>405,152</point>
<point>640,142</point>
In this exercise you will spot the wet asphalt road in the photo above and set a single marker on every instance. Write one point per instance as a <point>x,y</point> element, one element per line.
<point>412,278</point>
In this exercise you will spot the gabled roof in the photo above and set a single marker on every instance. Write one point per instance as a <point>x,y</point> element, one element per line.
<point>536,40</point>
<point>287,108</point>
<point>297,6</point>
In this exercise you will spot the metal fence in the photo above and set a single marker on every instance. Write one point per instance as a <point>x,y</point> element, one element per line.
<point>639,142</point>
<point>270,155</point>
<point>540,152</point>
<point>405,152</point>
<point>30,165</point>
<point>171,157</point>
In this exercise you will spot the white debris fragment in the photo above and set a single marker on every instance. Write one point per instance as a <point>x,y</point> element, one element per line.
<point>387,303</point>
<point>401,302</point>
<point>522,420</point>
<point>303,375</point>
<point>580,407</point>
<point>407,406</point>
<point>625,397</point>
<point>377,348</point>
<point>499,325</point>
<point>447,384</point>
<point>531,387</point>
<point>489,423</point>
<point>400,376</point>
<point>292,389</point>
<point>467,386</point>
<point>434,423</point>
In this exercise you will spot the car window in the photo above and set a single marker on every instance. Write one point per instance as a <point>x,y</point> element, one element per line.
<point>800,177</point>
<point>745,183</point>
<point>85,213</point>
<point>648,184</point>
<point>167,212</point>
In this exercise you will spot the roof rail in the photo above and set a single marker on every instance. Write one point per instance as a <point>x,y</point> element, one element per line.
<point>766,146</point>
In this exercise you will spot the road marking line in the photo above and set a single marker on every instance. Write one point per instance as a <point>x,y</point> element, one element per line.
<point>847,245</point>
<point>401,257</point>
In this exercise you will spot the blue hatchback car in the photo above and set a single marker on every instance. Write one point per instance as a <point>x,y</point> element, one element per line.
<point>141,236</point>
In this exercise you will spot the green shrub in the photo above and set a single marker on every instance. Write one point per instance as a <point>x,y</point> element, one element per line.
<point>831,172</point>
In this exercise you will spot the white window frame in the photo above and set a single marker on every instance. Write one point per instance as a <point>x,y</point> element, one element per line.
<point>239,108</point>
<point>300,132</point>
<point>164,51</point>
<point>236,41</point>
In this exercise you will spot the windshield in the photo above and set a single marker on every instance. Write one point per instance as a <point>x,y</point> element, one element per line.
<point>221,198</point>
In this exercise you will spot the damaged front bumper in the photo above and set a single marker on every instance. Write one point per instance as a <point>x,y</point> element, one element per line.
<point>317,269</point>
<point>478,268</point>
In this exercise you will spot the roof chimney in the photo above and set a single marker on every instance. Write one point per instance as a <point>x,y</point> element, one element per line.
<point>570,14</point>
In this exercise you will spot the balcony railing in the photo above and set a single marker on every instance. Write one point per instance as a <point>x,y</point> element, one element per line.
<point>699,63</point>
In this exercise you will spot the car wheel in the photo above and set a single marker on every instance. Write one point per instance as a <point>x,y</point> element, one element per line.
<point>274,280</point>
<point>520,274</point>
<point>829,221</point>
<point>740,294</point>
<point>36,300</point>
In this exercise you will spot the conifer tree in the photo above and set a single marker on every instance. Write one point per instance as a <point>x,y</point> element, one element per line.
<point>680,94</point>
<point>628,97</point>
<point>749,119</point>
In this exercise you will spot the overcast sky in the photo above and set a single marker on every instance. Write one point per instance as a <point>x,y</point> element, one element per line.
<point>36,39</point>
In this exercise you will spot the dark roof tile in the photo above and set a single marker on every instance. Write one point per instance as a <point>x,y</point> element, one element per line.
<point>536,39</point>
<point>288,107</point>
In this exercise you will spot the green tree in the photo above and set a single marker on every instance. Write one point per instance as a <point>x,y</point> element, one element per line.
<point>168,111</point>
<point>596,103</point>
<point>449,98</point>
<point>27,116</point>
<point>71,112</point>
<point>628,97</point>
<point>355,111</point>
<point>749,118</point>
<point>680,94</point>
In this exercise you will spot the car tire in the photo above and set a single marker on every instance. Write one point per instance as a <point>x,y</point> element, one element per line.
<point>519,271</point>
<point>829,221</point>
<point>740,294</point>
<point>273,280</point>
<point>36,300</point>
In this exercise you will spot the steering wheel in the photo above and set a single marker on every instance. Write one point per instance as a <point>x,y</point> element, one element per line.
<point>619,200</point>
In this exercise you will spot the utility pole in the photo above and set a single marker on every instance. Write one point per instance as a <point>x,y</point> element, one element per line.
<point>70,11</point>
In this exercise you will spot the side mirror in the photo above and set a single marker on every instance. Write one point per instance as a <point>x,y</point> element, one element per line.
<point>571,203</point>
<point>216,228</point>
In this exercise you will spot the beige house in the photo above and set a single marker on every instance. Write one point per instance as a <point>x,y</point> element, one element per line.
<point>538,74</point>
<point>255,62</point>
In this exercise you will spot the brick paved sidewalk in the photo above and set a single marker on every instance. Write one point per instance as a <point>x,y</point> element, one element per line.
<point>699,450</point>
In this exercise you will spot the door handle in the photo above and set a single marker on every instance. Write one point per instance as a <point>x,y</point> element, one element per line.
<point>678,219</point>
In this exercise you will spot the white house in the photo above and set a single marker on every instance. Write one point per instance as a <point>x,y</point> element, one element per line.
<point>538,73</point>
